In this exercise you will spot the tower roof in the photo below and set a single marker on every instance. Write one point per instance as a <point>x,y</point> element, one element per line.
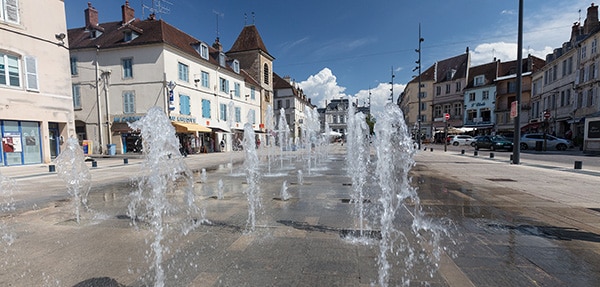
<point>248,40</point>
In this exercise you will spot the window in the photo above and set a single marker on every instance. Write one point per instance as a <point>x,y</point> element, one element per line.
<point>446,108</point>
<point>590,98</point>
<point>129,35</point>
<point>287,103</point>
<point>437,111</point>
<point>438,90</point>
<point>485,95</point>
<point>479,80</point>
<point>183,72</point>
<point>583,52</point>
<point>278,104</point>
<point>74,66</point>
<point>10,71</point>
<point>184,104</point>
<point>594,47</point>
<point>31,73</point>
<point>423,106</point>
<point>471,97</point>
<point>223,112</point>
<point>222,59</point>
<point>206,109</point>
<point>592,71</point>
<point>447,88</point>
<point>9,11</point>
<point>76,97</point>
<point>127,68</point>
<point>555,73</point>
<point>204,51</point>
<point>458,86</point>
<point>511,87</point>
<point>570,65</point>
<point>252,93</point>
<point>568,97</point>
<point>458,109</point>
<point>252,116</point>
<point>423,95</point>
<point>236,66</point>
<point>224,84</point>
<point>128,102</point>
<point>266,74</point>
<point>471,115</point>
<point>238,114</point>
<point>205,80</point>
<point>236,88</point>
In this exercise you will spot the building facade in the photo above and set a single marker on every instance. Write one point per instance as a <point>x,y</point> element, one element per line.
<point>291,99</point>
<point>480,98</point>
<point>121,69</point>
<point>36,108</point>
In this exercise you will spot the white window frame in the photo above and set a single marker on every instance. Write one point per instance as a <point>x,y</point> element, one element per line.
<point>17,59</point>
<point>183,72</point>
<point>9,11</point>
<point>129,102</point>
<point>31,77</point>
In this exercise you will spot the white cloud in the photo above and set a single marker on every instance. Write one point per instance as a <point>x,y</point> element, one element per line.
<point>486,52</point>
<point>323,87</point>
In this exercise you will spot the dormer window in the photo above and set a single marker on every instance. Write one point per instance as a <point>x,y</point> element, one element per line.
<point>236,66</point>
<point>204,51</point>
<point>222,59</point>
<point>479,80</point>
<point>450,74</point>
<point>95,34</point>
<point>129,36</point>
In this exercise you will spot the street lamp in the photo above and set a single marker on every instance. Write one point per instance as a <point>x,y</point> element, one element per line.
<point>419,91</point>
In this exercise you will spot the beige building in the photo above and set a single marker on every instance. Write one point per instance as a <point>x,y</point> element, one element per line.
<point>293,101</point>
<point>36,107</point>
<point>409,104</point>
<point>121,69</point>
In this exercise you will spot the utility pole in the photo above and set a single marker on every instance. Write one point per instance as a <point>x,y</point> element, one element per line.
<point>392,88</point>
<point>99,106</point>
<point>419,90</point>
<point>517,119</point>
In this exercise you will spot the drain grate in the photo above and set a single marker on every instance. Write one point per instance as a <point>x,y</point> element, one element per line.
<point>500,179</point>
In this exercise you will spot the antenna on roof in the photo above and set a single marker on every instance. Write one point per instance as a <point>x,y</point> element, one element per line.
<point>157,7</point>
<point>253,19</point>
<point>245,19</point>
<point>217,14</point>
<point>579,16</point>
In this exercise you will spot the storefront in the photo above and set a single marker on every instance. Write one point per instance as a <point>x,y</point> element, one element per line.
<point>193,137</point>
<point>20,143</point>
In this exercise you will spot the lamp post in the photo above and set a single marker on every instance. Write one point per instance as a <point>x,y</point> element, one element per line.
<point>516,157</point>
<point>171,103</point>
<point>419,90</point>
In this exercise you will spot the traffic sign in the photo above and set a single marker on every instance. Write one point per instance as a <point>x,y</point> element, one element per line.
<point>447,116</point>
<point>546,114</point>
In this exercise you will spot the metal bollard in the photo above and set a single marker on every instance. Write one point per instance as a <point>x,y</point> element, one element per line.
<point>491,155</point>
<point>125,161</point>
<point>462,151</point>
<point>475,153</point>
<point>94,164</point>
<point>431,149</point>
<point>578,164</point>
<point>51,168</point>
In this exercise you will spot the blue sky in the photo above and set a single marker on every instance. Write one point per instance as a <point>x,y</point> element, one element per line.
<point>346,48</point>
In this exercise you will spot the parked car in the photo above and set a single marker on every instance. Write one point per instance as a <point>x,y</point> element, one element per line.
<point>459,139</point>
<point>493,143</point>
<point>474,140</point>
<point>529,140</point>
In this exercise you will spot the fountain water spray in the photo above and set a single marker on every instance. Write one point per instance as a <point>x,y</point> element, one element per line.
<point>7,205</point>
<point>203,176</point>
<point>71,168</point>
<point>300,177</point>
<point>220,188</point>
<point>282,133</point>
<point>163,171</point>
<point>395,151</point>
<point>285,195</point>
<point>270,127</point>
<point>358,160</point>
<point>251,165</point>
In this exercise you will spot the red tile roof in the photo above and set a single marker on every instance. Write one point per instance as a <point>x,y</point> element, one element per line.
<point>249,40</point>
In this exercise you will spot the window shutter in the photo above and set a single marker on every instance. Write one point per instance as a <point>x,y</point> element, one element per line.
<point>31,72</point>
<point>12,11</point>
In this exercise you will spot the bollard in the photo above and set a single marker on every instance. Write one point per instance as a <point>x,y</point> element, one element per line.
<point>94,163</point>
<point>491,155</point>
<point>511,157</point>
<point>51,168</point>
<point>475,153</point>
<point>578,164</point>
<point>462,151</point>
<point>125,161</point>
<point>431,149</point>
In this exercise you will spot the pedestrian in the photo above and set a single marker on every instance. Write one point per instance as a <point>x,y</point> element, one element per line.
<point>222,145</point>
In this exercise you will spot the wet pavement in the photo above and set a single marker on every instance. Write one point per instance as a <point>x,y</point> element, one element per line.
<point>508,225</point>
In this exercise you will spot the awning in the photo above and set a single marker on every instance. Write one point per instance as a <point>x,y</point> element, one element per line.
<point>218,129</point>
<point>190,127</point>
<point>533,125</point>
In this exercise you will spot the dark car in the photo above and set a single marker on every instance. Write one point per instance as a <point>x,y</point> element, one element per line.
<point>493,143</point>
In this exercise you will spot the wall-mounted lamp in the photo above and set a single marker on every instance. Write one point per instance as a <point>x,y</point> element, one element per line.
<point>60,37</point>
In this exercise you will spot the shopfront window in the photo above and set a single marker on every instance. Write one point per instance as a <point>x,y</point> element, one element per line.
<point>21,143</point>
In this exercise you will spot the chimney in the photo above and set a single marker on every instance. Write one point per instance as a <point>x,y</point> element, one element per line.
<point>575,31</point>
<point>217,45</point>
<point>127,12</point>
<point>91,16</point>
<point>287,79</point>
<point>591,21</point>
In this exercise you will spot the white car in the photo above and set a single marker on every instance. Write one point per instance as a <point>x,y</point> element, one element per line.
<point>528,141</point>
<point>456,140</point>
